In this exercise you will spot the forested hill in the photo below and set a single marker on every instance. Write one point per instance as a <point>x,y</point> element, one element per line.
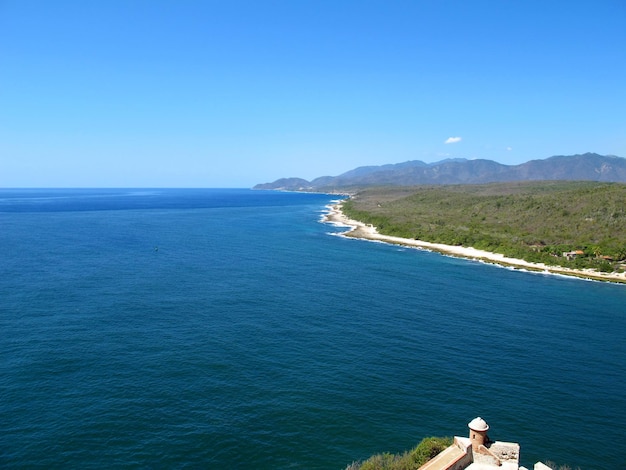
<point>573,224</point>
<point>585,167</point>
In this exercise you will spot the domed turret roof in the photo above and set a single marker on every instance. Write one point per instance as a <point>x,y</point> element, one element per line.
<point>478,424</point>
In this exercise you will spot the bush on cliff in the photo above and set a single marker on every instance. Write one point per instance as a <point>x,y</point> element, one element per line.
<point>428,448</point>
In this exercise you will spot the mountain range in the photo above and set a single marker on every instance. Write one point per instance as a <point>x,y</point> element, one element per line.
<point>582,167</point>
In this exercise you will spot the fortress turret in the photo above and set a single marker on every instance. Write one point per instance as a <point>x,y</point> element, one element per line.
<point>478,433</point>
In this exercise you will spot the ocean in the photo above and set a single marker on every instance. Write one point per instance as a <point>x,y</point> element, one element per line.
<point>230,328</point>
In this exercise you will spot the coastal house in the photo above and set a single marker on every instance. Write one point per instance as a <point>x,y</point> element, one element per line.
<point>570,255</point>
<point>479,452</point>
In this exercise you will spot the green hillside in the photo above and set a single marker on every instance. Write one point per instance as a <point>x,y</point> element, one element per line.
<point>534,221</point>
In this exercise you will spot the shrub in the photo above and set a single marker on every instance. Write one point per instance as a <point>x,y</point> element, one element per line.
<point>428,448</point>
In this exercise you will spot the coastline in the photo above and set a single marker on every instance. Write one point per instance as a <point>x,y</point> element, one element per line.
<point>363,231</point>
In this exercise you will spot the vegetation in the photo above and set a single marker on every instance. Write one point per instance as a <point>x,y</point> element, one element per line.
<point>534,221</point>
<point>428,448</point>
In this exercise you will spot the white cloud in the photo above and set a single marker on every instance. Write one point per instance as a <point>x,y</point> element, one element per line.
<point>452,140</point>
<point>509,148</point>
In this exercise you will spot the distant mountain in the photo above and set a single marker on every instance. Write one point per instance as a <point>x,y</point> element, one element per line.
<point>585,167</point>
<point>286,184</point>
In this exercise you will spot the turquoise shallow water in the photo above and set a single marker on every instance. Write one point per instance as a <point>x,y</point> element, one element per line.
<point>230,329</point>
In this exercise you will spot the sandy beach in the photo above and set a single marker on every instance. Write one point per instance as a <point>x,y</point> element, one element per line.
<point>368,232</point>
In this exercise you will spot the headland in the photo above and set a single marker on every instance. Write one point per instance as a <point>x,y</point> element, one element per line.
<point>363,231</point>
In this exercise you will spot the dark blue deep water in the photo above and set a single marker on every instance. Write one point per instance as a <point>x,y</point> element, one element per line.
<point>229,329</point>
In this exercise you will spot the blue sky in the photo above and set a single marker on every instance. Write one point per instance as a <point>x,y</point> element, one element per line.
<point>232,93</point>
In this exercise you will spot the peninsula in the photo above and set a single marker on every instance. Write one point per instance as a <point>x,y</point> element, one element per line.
<point>358,229</point>
<point>562,215</point>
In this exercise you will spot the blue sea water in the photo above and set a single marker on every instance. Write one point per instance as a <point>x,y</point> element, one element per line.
<point>231,329</point>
